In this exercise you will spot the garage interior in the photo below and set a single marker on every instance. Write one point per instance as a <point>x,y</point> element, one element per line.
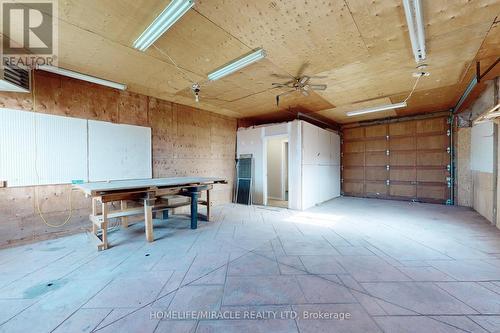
<point>250,166</point>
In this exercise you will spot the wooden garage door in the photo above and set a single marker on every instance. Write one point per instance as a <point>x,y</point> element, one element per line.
<point>403,160</point>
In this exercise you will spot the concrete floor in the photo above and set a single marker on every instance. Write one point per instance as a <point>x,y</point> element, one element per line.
<point>387,266</point>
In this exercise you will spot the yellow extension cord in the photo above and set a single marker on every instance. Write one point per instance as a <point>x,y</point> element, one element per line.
<point>36,168</point>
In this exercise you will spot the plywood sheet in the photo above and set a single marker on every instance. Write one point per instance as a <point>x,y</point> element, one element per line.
<point>408,191</point>
<point>353,173</point>
<point>433,159</point>
<point>377,145</point>
<point>406,143</point>
<point>376,159</point>
<point>354,147</point>
<point>403,158</point>
<point>433,125</point>
<point>406,128</point>
<point>376,173</point>
<point>403,174</point>
<point>376,189</point>
<point>437,142</point>
<point>376,131</point>
<point>353,187</point>
<point>357,159</point>
<point>432,175</point>
<point>432,192</point>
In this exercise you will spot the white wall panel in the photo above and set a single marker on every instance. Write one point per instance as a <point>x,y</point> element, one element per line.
<point>41,149</point>
<point>335,148</point>
<point>310,186</point>
<point>119,151</point>
<point>62,149</point>
<point>310,142</point>
<point>482,147</point>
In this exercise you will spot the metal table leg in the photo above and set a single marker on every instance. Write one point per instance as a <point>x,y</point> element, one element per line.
<point>194,209</point>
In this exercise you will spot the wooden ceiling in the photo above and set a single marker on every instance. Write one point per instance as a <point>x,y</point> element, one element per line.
<point>361,47</point>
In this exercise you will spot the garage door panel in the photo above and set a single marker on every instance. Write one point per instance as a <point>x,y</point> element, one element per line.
<point>404,175</point>
<point>376,159</point>
<point>432,125</point>
<point>376,131</point>
<point>403,143</point>
<point>432,142</point>
<point>432,175</point>
<point>354,147</point>
<point>440,192</point>
<point>354,159</point>
<point>403,190</point>
<point>353,173</point>
<point>354,133</point>
<point>378,189</point>
<point>417,160</point>
<point>432,158</point>
<point>406,158</point>
<point>351,187</point>
<point>376,145</point>
<point>407,128</point>
<point>376,173</point>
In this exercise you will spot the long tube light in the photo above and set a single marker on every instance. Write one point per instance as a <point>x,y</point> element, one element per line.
<point>415,20</point>
<point>171,14</point>
<point>237,64</point>
<point>377,109</point>
<point>84,77</point>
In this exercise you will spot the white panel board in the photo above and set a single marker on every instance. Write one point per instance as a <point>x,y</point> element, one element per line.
<point>61,149</point>
<point>324,147</point>
<point>310,142</point>
<point>17,152</point>
<point>41,149</point>
<point>335,149</point>
<point>119,151</point>
<point>310,186</point>
<point>482,147</point>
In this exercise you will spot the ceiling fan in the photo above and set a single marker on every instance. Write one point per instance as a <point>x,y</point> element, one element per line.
<point>300,83</point>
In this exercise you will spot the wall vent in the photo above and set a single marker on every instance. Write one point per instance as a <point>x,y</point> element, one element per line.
<point>14,79</point>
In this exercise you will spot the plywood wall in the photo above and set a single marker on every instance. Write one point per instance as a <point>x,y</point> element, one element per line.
<point>186,141</point>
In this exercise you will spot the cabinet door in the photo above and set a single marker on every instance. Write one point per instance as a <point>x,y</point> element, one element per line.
<point>310,143</point>
<point>334,149</point>
<point>310,186</point>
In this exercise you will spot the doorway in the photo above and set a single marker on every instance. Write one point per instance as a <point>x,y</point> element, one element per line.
<point>277,172</point>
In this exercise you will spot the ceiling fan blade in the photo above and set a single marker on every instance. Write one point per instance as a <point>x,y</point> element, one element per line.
<point>283,94</point>
<point>279,76</point>
<point>318,86</point>
<point>302,69</point>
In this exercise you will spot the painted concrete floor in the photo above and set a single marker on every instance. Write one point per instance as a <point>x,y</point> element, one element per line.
<point>362,265</point>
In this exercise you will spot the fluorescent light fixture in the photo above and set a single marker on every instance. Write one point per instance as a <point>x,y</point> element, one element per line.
<point>377,109</point>
<point>84,77</point>
<point>415,20</point>
<point>238,64</point>
<point>171,14</point>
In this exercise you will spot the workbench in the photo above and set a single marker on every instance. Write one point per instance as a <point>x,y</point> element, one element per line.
<point>150,196</point>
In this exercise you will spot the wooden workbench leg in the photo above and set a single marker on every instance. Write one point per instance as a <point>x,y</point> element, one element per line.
<point>148,220</point>
<point>94,213</point>
<point>194,210</point>
<point>209,204</point>
<point>123,206</point>
<point>104,226</point>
